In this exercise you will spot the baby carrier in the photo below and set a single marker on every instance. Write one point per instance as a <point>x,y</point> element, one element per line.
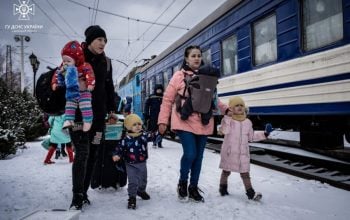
<point>201,89</point>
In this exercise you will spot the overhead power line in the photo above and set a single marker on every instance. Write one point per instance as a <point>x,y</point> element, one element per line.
<point>94,19</point>
<point>159,33</point>
<point>126,17</point>
<point>63,19</point>
<point>143,34</point>
<point>51,19</point>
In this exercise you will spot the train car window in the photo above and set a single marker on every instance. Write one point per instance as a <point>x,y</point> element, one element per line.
<point>166,77</point>
<point>322,23</point>
<point>159,78</point>
<point>177,67</point>
<point>143,87</point>
<point>147,87</point>
<point>152,83</point>
<point>229,56</point>
<point>206,56</point>
<point>265,41</point>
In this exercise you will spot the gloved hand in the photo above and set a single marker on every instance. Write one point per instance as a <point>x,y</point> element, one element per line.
<point>60,78</point>
<point>268,129</point>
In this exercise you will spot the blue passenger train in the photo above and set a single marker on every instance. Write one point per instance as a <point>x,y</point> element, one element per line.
<point>130,86</point>
<point>288,59</point>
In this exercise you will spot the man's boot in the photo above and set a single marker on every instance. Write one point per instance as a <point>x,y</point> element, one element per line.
<point>77,201</point>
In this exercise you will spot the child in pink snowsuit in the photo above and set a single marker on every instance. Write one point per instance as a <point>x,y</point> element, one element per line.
<point>235,157</point>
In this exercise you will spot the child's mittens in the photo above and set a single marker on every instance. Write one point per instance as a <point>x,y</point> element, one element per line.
<point>72,86</point>
<point>268,129</point>
<point>72,77</point>
<point>60,78</point>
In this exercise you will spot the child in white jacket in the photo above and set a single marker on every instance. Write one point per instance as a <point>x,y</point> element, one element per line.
<point>235,156</point>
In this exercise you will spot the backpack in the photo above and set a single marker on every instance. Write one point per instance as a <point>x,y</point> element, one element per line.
<point>51,102</point>
<point>201,88</point>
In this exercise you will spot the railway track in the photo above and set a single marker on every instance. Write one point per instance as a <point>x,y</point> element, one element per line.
<point>305,165</point>
<point>309,166</point>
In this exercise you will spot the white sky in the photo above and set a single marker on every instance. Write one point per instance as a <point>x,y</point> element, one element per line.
<point>49,40</point>
<point>27,185</point>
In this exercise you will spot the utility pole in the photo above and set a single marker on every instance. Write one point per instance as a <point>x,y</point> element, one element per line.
<point>8,64</point>
<point>27,39</point>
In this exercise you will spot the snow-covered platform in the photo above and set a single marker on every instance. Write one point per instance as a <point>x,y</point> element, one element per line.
<point>53,214</point>
<point>27,185</point>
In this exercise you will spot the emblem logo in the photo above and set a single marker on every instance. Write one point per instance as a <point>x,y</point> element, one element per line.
<point>23,9</point>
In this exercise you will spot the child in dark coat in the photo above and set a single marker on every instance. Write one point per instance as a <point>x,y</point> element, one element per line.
<point>151,113</point>
<point>133,149</point>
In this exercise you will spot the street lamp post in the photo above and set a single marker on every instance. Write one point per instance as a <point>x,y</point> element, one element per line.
<point>35,64</point>
<point>21,38</point>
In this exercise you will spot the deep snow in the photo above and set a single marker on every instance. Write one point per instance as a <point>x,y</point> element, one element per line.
<point>27,185</point>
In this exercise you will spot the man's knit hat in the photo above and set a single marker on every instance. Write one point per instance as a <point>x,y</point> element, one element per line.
<point>130,120</point>
<point>93,32</point>
<point>75,51</point>
<point>235,100</point>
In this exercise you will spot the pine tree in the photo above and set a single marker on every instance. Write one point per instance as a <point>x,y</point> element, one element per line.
<point>20,120</point>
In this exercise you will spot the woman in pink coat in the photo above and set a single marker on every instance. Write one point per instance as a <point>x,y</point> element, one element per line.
<point>235,157</point>
<point>192,133</point>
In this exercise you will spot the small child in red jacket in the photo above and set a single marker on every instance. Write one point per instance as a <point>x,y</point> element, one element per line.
<point>79,79</point>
